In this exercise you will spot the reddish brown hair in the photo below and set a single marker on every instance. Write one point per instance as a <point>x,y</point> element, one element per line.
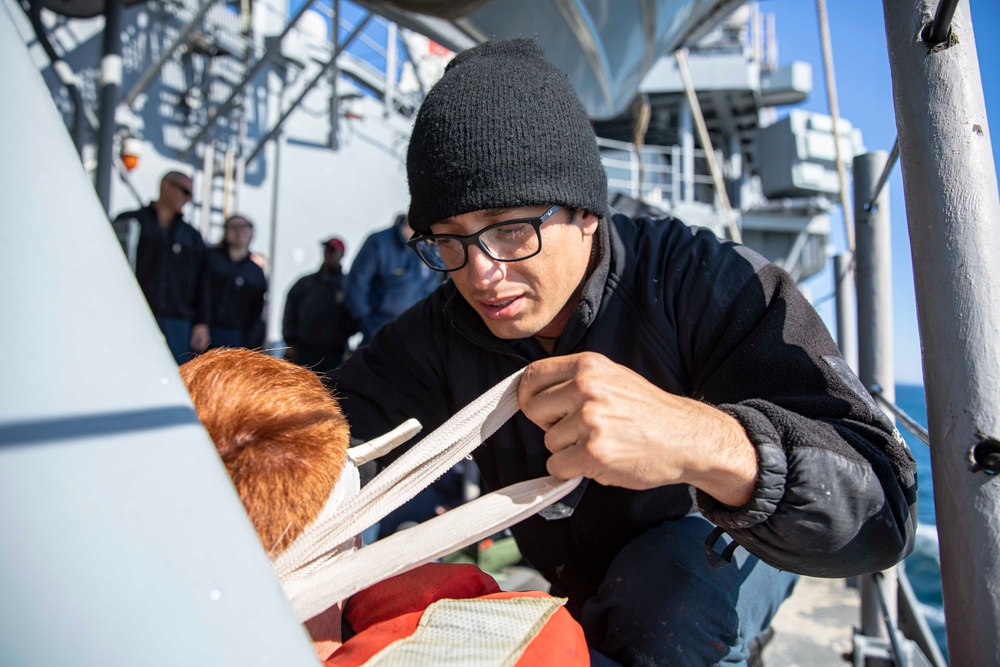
<point>280,433</point>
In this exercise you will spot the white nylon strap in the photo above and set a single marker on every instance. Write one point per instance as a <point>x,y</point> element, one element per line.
<point>354,571</point>
<point>382,445</point>
<point>404,478</point>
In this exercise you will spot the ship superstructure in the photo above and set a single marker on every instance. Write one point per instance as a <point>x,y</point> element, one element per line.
<point>303,127</point>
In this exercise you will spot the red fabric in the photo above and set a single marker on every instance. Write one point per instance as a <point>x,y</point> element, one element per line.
<point>415,591</point>
<point>391,610</point>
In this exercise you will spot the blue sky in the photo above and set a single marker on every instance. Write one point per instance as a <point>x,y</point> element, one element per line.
<point>864,92</point>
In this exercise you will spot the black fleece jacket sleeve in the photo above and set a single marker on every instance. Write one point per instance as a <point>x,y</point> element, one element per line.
<point>836,493</point>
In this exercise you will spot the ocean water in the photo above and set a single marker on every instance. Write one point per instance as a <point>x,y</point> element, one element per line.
<point>923,566</point>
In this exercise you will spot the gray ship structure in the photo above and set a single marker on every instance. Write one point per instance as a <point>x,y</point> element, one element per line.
<point>122,540</point>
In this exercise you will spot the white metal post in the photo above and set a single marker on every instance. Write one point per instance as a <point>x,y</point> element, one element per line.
<point>873,259</point>
<point>390,68</point>
<point>846,302</point>
<point>686,131</point>
<point>952,207</point>
<point>207,186</point>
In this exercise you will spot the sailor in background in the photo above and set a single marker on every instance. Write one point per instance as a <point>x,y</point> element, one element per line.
<point>387,278</point>
<point>685,377</point>
<point>317,324</point>
<point>239,288</point>
<point>170,262</point>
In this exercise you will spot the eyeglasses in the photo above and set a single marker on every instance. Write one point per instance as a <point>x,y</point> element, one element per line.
<point>506,241</point>
<point>187,191</point>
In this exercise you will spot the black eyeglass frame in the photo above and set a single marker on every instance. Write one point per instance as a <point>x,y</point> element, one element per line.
<point>474,239</point>
<point>188,192</point>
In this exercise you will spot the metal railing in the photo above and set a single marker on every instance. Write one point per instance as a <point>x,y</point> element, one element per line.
<point>661,178</point>
<point>911,424</point>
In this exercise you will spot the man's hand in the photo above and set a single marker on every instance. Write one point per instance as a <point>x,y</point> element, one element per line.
<point>200,337</point>
<point>606,422</point>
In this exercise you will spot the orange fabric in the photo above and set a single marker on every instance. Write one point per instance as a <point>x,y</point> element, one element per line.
<point>391,610</point>
<point>559,642</point>
<point>415,591</point>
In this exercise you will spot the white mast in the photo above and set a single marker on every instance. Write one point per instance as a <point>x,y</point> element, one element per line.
<point>953,211</point>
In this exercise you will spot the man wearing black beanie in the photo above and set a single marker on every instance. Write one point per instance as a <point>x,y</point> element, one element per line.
<point>684,377</point>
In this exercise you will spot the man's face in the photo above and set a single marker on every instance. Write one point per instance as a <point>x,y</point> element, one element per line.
<point>332,256</point>
<point>176,191</point>
<point>535,296</point>
<point>239,233</point>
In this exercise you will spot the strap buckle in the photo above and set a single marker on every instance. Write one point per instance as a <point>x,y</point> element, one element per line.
<point>716,559</point>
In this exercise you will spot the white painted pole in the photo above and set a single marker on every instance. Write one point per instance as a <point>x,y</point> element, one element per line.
<point>847,304</point>
<point>873,257</point>
<point>953,211</point>
<point>207,186</point>
<point>874,278</point>
<point>390,68</point>
<point>686,131</point>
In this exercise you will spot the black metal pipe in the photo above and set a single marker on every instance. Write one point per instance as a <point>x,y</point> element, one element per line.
<point>111,81</point>
<point>940,27</point>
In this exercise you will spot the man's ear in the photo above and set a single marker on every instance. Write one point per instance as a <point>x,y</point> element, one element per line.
<point>588,223</point>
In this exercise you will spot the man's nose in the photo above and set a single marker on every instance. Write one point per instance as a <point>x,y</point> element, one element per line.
<point>481,268</point>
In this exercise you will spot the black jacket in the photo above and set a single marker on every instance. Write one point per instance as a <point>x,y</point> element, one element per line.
<point>696,317</point>
<point>238,290</point>
<point>171,266</point>
<point>316,318</point>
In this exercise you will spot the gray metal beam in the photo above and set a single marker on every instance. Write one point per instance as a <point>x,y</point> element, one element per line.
<point>319,76</point>
<point>685,129</point>
<point>215,114</point>
<point>884,178</point>
<point>123,540</point>
<point>952,206</point>
<point>391,62</point>
<point>454,35</point>
<point>846,305</point>
<point>873,261</point>
<point>142,83</point>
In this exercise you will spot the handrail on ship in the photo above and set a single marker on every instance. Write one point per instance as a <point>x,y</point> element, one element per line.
<point>911,424</point>
<point>884,177</point>
<point>896,640</point>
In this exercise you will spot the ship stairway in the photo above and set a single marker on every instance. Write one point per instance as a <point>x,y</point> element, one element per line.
<point>198,83</point>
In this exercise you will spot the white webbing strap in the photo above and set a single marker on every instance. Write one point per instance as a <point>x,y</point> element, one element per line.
<point>404,478</point>
<point>382,445</point>
<point>315,572</point>
<point>349,573</point>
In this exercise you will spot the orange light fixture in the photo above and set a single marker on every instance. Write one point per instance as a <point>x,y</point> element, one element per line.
<point>131,148</point>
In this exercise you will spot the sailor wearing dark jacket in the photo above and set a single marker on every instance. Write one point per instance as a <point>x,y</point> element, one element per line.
<point>239,288</point>
<point>170,263</point>
<point>317,324</point>
<point>684,377</point>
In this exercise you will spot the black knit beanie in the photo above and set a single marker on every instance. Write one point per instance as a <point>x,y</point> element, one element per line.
<point>502,128</point>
